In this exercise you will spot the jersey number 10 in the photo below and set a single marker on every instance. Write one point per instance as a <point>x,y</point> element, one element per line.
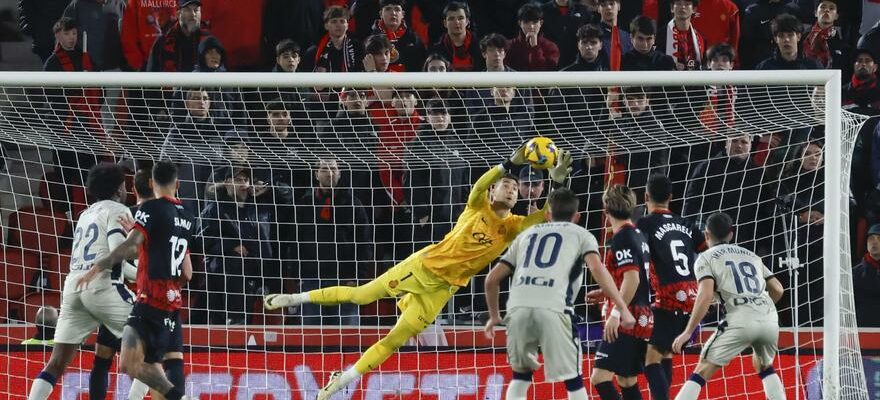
<point>542,245</point>
<point>178,251</point>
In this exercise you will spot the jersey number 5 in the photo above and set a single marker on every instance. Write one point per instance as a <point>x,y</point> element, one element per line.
<point>681,260</point>
<point>178,251</point>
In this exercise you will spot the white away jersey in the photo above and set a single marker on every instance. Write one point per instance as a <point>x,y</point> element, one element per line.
<point>97,233</point>
<point>548,265</point>
<point>740,282</point>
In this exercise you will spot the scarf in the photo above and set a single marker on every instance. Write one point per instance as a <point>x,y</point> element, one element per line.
<point>719,111</point>
<point>682,50</point>
<point>84,103</point>
<point>393,36</point>
<point>171,56</point>
<point>325,44</point>
<point>872,262</point>
<point>326,213</point>
<point>816,44</point>
<point>461,56</point>
<point>616,52</point>
<point>867,84</point>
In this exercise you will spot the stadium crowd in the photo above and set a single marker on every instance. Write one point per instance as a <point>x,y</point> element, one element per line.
<point>350,216</point>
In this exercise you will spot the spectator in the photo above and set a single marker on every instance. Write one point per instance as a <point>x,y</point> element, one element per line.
<point>718,21</point>
<point>300,21</point>
<point>866,280</point>
<point>502,115</point>
<point>861,94</point>
<point>99,20</point>
<point>493,48</point>
<point>825,42</point>
<point>241,249</point>
<point>459,44</point>
<point>871,39</point>
<point>436,62</point>
<point>577,109</point>
<point>531,191</point>
<point>36,19</point>
<point>531,51</point>
<point>274,183</point>
<point>681,40</point>
<point>454,99</point>
<point>45,321</point>
<point>562,19</point>
<point>378,51</point>
<point>640,157</point>
<point>438,175</point>
<point>615,41</point>
<point>193,139</point>
<point>591,54</point>
<point>227,106</point>
<point>787,34</point>
<point>718,111</point>
<point>288,56</point>
<point>142,23</point>
<point>643,56</point>
<point>873,200</point>
<point>397,125</point>
<point>177,49</point>
<point>333,243</point>
<point>407,51</point>
<point>336,51</point>
<point>717,185</point>
<point>757,32</point>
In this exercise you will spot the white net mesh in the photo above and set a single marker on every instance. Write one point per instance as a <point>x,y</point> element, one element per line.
<point>303,188</point>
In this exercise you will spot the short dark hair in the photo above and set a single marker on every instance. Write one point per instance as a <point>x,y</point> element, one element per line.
<point>385,3</point>
<point>644,25</point>
<point>508,175</point>
<point>399,92</point>
<point>437,56</point>
<point>719,225</point>
<point>142,183</point>
<point>334,12</point>
<point>563,204</point>
<point>817,3</point>
<point>104,180</point>
<point>64,24</point>
<point>589,31</point>
<point>786,23</point>
<point>529,12</point>
<point>455,6</point>
<point>285,46</point>
<point>275,106</point>
<point>659,188</point>
<point>493,40</point>
<point>436,106</point>
<point>721,50</point>
<point>694,2</point>
<point>634,91</point>
<point>619,201</point>
<point>377,44</point>
<point>164,173</point>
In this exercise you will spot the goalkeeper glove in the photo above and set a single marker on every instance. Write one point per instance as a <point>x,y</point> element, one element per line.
<point>517,158</point>
<point>562,168</point>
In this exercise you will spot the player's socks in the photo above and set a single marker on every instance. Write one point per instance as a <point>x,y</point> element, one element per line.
<point>575,387</point>
<point>138,390</point>
<point>772,385</point>
<point>667,368</point>
<point>607,391</point>
<point>692,388</point>
<point>631,393</point>
<point>42,386</point>
<point>519,385</point>
<point>174,372</point>
<point>657,381</point>
<point>174,393</point>
<point>98,379</point>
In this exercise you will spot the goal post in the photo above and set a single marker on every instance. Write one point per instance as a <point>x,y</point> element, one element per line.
<point>577,110</point>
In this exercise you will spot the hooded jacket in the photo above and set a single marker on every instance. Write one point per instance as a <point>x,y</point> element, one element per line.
<point>226,104</point>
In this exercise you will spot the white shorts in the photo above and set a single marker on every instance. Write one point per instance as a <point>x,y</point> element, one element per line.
<point>555,333</point>
<point>82,312</point>
<point>729,341</point>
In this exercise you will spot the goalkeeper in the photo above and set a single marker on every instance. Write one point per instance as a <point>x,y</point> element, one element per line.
<point>428,278</point>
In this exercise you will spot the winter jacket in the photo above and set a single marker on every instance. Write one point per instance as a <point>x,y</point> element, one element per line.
<point>653,61</point>
<point>561,26</point>
<point>175,51</point>
<point>408,52</point>
<point>226,103</point>
<point>756,21</point>
<point>777,62</point>
<point>465,58</point>
<point>226,225</point>
<point>866,280</point>
<point>523,57</point>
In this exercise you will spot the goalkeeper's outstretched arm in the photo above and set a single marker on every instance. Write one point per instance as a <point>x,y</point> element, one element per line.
<point>558,174</point>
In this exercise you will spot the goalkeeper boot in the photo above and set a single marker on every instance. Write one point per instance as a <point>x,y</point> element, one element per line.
<point>333,386</point>
<point>277,300</point>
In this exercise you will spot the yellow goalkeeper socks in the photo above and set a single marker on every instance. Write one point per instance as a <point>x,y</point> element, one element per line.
<point>379,352</point>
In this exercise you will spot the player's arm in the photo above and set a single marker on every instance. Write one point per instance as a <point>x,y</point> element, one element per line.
<point>493,286</point>
<point>705,294</point>
<point>126,250</point>
<point>118,228</point>
<point>775,289</point>
<point>606,284</point>
<point>481,188</point>
<point>186,271</point>
<point>558,173</point>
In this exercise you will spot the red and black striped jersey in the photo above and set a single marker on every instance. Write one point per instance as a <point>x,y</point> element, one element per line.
<point>167,228</point>
<point>628,251</point>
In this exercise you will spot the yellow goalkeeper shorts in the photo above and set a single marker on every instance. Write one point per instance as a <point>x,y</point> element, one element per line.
<point>424,294</point>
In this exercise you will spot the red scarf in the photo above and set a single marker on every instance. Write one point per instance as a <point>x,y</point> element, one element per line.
<point>348,60</point>
<point>616,49</point>
<point>872,262</point>
<point>84,103</point>
<point>867,84</point>
<point>816,44</point>
<point>394,65</point>
<point>170,55</point>
<point>461,56</point>
<point>326,213</point>
<point>719,112</point>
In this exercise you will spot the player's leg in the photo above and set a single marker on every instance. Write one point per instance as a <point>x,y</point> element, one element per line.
<point>172,362</point>
<point>629,387</point>
<point>134,361</point>
<point>603,381</point>
<point>522,351</point>
<point>694,385</point>
<point>764,351</point>
<point>561,345</point>
<point>105,349</point>
<point>666,326</point>
<point>62,355</point>
<point>726,343</point>
<point>655,373</point>
<point>364,294</point>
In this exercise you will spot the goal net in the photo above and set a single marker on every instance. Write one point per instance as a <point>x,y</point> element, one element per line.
<point>303,181</point>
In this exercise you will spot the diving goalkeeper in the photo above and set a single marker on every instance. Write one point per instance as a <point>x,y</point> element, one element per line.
<point>428,278</point>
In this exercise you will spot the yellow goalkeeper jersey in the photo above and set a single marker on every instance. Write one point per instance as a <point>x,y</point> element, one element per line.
<point>478,238</point>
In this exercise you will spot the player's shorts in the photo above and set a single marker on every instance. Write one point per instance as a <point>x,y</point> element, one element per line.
<point>667,326</point>
<point>424,294</point>
<point>624,356</point>
<point>106,338</point>
<point>155,328</point>
<point>729,341</point>
<point>84,311</point>
<point>554,333</point>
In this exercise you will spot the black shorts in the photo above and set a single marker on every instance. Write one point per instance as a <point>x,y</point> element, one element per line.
<point>667,326</point>
<point>625,356</point>
<point>155,328</point>
<point>107,338</point>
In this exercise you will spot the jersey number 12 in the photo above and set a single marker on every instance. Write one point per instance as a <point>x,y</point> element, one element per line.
<point>178,251</point>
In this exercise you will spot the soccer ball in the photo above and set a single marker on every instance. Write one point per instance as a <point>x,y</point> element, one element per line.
<point>541,152</point>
